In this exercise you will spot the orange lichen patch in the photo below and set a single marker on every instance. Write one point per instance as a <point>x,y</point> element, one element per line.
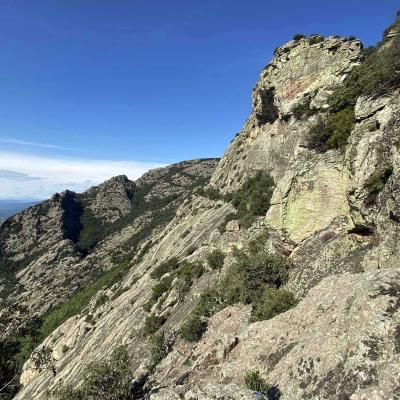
<point>289,91</point>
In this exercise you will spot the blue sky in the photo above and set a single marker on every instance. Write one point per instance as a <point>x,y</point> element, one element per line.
<point>129,85</point>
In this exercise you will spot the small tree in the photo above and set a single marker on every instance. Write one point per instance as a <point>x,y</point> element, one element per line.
<point>43,359</point>
<point>298,36</point>
<point>102,380</point>
<point>254,381</point>
<point>160,345</point>
<point>193,329</point>
<point>152,324</point>
<point>216,259</point>
<point>274,302</point>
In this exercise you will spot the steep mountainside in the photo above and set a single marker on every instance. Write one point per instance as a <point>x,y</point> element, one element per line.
<point>281,275</point>
<point>54,245</point>
<point>56,254</point>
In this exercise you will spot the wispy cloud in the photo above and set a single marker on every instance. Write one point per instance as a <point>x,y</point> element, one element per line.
<point>17,176</point>
<point>27,143</point>
<point>31,176</point>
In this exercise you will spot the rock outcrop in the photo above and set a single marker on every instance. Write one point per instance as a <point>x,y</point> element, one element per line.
<point>341,341</point>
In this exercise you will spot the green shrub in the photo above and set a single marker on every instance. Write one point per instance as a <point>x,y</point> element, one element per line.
<point>152,324</point>
<point>298,36</point>
<point>273,302</point>
<point>210,302</point>
<point>189,272</point>
<point>246,282</point>
<point>193,329</point>
<point>254,381</point>
<point>159,347</point>
<point>251,274</point>
<point>161,287</point>
<point>253,198</point>
<point>210,193</point>
<point>315,38</point>
<point>102,299</point>
<point>318,134</point>
<point>148,305</point>
<point>103,380</point>
<point>167,266</point>
<point>331,131</point>
<point>376,74</point>
<point>340,126</point>
<point>303,110</point>
<point>216,259</point>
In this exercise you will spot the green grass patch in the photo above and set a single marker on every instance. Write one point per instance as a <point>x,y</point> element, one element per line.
<point>80,299</point>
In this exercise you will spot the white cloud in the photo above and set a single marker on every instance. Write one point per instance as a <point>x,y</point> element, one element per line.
<point>17,176</point>
<point>57,174</point>
<point>27,143</point>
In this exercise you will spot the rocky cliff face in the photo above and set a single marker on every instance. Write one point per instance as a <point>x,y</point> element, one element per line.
<point>333,215</point>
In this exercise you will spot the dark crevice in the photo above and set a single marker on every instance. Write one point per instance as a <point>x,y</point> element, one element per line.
<point>394,217</point>
<point>71,217</point>
<point>376,183</point>
<point>267,111</point>
<point>362,230</point>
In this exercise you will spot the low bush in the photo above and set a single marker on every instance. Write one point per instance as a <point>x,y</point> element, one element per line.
<point>186,271</point>
<point>210,193</point>
<point>331,131</point>
<point>159,347</point>
<point>210,302</point>
<point>189,272</point>
<point>315,38</point>
<point>193,329</point>
<point>378,73</point>
<point>103,380</point>
<point>303,110</point>
<point>216,259</point>
<point>318,134</point>
<point>340,125</point>
<point>298,36</point>
<point>248,281</point>
<point>251,274</point>
<point>161,287</point>
<point>252,199</point>
<point>254,381</point>
<point>273,302</point>
<point>167,266</point>
<point>152,324</point>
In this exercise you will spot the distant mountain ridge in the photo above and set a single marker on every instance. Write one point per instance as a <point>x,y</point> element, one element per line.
<point>10,207</point>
